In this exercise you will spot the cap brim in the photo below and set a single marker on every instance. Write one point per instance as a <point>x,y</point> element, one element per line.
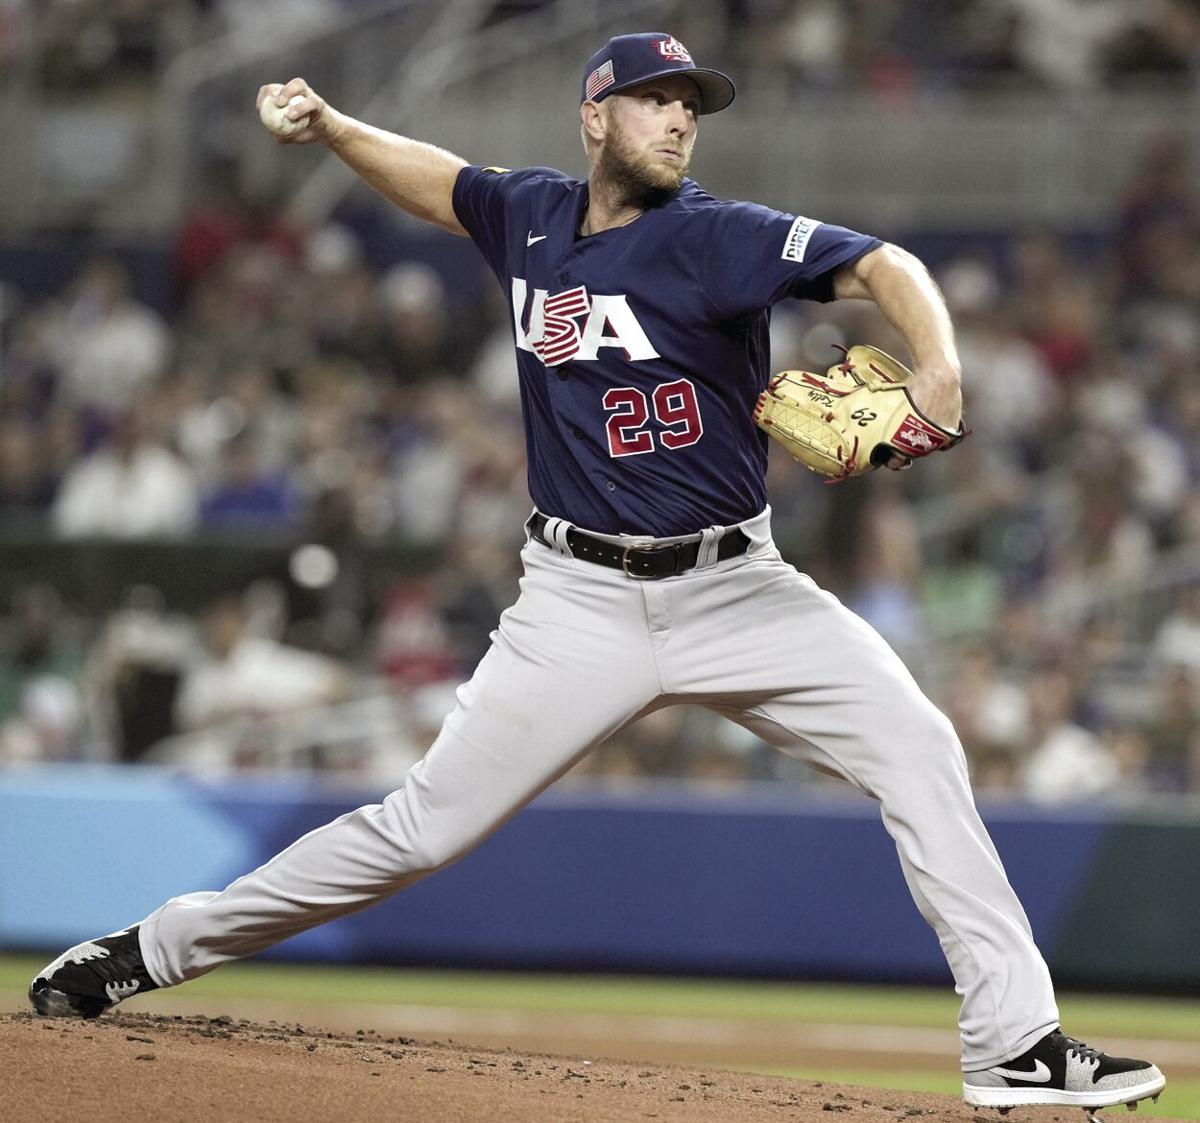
<point>716,89</point>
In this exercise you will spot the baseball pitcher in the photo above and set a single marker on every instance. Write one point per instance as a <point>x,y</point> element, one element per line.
<point>639,309</point>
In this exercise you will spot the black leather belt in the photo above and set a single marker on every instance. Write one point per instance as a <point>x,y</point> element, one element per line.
<point>645,563</point>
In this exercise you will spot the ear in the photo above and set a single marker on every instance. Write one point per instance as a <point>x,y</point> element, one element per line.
<point>594,120</point>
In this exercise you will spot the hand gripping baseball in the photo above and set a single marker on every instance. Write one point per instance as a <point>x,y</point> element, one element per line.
<point>294,113</point>
<point>851,419</point>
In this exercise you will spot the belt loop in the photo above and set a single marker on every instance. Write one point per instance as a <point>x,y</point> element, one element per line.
<point>555,533</point>
<point>710,538</point>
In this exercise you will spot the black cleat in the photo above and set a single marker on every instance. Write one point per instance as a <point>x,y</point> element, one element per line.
<point>1063,1072</point>
<point>91,977</point>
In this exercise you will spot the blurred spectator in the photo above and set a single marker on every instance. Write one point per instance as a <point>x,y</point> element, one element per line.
<point>216,222</point>
<point>432,465</point>
<point>1062,41</point>
<point>1160,195</point>
<point>1053,303</point>
<point>255,402</point>
<point>1163,45</point>
<point>47,726</point>
<point>888,567</point>
<point>473,589</point>
<point>347,305</point>
<point>1066,763</point>
<point>134,488</point>
<point>133,673</point>
<point>87,44</point>
<point>1130,750</point>
<point>246,496</point>
<point>1172,730</point>
<point>995,773</point>
<point>245,675</point>
<point>41,707</point>
<point>258,20</point>
<point>413,646</point>
<point>414,343</point>
<point>660,743</point>
<point>812,40</point>
<point>990,711</point>
<point>1101,530</point>
<point>26,486</point>
<point>962,595</point>
<point>1177,642</point>
<point>110,347</point>
<point>1006,379</point>
<point>493,373</point>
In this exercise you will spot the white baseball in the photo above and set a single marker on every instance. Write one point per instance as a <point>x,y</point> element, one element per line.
<point>276,120</point>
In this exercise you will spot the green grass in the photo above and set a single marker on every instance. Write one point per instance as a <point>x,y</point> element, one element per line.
<point>1094,1016</point>
<point>605,994</point>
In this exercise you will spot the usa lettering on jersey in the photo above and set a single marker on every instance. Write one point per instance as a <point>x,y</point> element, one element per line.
<point>555,334</point>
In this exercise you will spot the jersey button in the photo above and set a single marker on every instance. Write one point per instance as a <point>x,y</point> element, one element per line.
<point>562,376</point>
<point>562,278</point>
<point>577,432</point>
<point>610,485</point>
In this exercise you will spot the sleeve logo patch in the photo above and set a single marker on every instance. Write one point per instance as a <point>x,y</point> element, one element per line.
<point>797,238</point>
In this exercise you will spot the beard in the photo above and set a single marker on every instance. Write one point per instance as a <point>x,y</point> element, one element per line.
<point>639,182</point>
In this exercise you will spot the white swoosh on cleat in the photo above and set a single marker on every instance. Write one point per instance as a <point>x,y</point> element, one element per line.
<point>1039,1075</point>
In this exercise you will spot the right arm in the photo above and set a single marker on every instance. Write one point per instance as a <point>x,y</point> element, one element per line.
<point>419,178</point>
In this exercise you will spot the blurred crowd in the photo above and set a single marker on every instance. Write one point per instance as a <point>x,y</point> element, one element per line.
<point>74,45</point>
<point>888,47</point>
<point>897,47</point>
<point>1043,580</point>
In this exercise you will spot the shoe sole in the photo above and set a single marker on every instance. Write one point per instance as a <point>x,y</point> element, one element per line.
<point>1053,1097</point>
<point>52,1003</point>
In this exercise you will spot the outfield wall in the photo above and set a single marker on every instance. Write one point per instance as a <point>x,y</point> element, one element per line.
<point>773,881</point>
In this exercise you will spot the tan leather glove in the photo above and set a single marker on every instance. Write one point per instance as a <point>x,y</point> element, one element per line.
<point>852,418</point>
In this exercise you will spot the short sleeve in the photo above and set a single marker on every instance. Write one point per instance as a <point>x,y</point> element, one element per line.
<point>480,196</point>
<point>758,256</point>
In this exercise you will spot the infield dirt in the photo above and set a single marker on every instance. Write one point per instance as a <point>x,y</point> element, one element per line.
<point>178,1069</point>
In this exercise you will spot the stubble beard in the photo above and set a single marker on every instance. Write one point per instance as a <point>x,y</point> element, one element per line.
<point>638,182</point>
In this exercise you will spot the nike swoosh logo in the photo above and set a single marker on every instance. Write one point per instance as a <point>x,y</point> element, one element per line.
<point>530,239</point>
<point>1039,1075</point>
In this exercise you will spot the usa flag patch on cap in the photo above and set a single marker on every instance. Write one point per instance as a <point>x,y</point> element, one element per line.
<point>599,79</point>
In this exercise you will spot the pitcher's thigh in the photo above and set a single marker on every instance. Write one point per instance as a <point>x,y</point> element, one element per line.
<point>552,686</point>
<point>840,698</point>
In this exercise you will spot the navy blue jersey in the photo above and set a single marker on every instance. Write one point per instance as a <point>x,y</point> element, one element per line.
<point>642,349</point>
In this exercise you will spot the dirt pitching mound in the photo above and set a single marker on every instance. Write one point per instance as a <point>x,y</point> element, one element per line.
<point>176,1068</point>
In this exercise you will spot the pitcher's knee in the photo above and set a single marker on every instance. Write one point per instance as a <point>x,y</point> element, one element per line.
<point>930,742</point>
<point>419,839</point>
<point>433,851</point>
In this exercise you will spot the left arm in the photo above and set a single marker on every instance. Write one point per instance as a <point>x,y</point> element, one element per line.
<point>907,295</point>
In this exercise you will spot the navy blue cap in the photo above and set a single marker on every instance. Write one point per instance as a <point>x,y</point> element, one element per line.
<point>627,60</point>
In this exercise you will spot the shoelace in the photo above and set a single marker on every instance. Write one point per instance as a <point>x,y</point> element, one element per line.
<point>120,967</point>
<point>1077,1048</point>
